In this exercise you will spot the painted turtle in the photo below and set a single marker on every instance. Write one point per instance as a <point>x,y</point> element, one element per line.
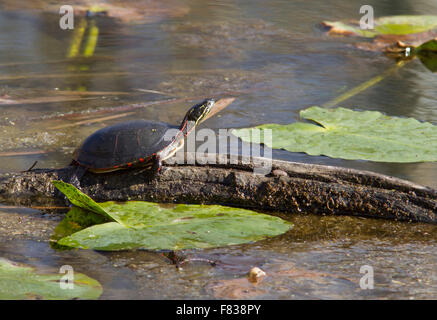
<point>133,144</point>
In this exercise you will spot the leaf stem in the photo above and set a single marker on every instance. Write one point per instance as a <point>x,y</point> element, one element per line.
<point>369,83</point>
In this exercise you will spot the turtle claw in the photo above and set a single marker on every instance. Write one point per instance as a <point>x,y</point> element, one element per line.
<point>157,166</point>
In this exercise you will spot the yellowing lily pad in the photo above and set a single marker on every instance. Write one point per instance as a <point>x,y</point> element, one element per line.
<point>20,282</point>
<point>391,25</point>
<point>348,134</point>
<point>153,226</point>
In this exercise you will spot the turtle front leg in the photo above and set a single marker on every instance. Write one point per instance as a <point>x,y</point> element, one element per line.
<point>157,165</point>
<point>73,180</point>
<point>77,176</point>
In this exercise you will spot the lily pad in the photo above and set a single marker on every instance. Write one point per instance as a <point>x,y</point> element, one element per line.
<point>75,220</point>
<point>429,46</point>
<point>348,134</point>
<point>19,282</point>
<point>427,53</point>
<point>155,226</point>
<point>392,34</point>
<point>391,25</point>
<point>80,199</point>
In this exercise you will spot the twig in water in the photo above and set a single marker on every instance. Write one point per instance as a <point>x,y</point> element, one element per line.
<point>68,125</point>
<point>369,83</point>
<point>22,153</point>
<point>153,91</point>
<point>31,167</point>
<point>43,100</point>
<point>34,207</point>
<point>211,262</point>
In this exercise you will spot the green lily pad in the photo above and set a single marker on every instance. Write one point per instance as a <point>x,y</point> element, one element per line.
<point>391,25</point>
<point>428,46</point>
<point>400,25</point>
<point>75,220</point>
<point>348,134</point>
<point>153,226</point>
<point>19,282</point>
<point>427,53</point>
<point>429,60</point>
<point>80,199</point>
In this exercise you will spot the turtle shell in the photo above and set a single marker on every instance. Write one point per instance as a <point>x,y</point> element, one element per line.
<point>123,145</point>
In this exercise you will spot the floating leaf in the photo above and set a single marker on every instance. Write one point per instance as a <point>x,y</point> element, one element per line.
<point>153,226</point>
<point>391,25</point>
<point>429,60</point>
<point>397,36</point>
<point>348,134</point>
<point>427,53</point>
<point>75,220</point>
<point>150,226</point>
<point>18,282</point>
<point>430,45</point>
<point>351,28</point>
<point>400,25</point>
<point>79,198</point>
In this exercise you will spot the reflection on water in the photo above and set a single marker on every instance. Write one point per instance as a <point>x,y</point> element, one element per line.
<point>272,57</point>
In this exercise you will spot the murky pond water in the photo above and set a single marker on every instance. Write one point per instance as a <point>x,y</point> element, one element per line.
<point>276,61</point>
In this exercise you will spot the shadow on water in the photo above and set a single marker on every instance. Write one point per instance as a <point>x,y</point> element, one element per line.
<point>276,62</point>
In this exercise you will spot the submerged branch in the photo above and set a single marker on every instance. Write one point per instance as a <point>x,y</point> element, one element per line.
<point>291,187</point>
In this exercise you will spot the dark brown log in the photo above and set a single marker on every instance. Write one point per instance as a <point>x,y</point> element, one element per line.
<point>291,187</point>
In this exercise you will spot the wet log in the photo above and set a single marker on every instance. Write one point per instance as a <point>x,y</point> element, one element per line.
<point>290,187</point>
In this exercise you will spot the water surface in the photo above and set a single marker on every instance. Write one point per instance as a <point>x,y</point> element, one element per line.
<point>276,61</point>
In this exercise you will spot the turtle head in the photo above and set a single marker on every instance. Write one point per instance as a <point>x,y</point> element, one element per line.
<point>199,111</point>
